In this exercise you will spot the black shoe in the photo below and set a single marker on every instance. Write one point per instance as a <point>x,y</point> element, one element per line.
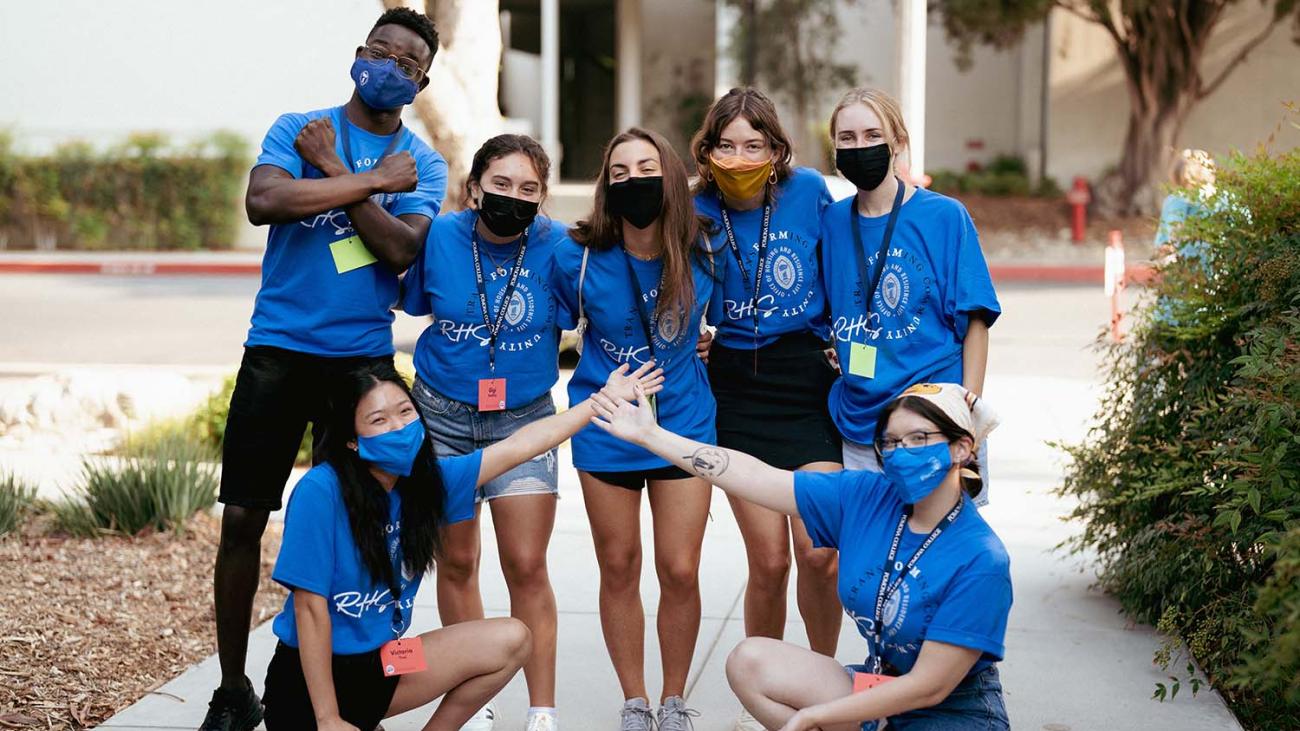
<point>233,710</point>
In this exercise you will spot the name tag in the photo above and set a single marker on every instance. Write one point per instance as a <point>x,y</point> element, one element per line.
<point>491,394</point>
<point>403,656</point>
<point>351,254</point>
<point>862,360</point>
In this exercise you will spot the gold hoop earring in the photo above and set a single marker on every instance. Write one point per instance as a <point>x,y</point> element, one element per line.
<point>771,178</point>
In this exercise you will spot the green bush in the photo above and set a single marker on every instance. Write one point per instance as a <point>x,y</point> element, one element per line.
<point>16,498</point>
<point>1006,175</point>
<point>142,194</point>
<point>156,486</point>
<point>1187,483</point>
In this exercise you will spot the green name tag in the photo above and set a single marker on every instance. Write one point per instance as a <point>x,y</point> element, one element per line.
<point>862,360</point>
<point>351,254</point>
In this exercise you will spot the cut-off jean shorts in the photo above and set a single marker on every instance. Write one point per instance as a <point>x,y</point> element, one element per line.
<point>974,705</point>
<point>459,428</point>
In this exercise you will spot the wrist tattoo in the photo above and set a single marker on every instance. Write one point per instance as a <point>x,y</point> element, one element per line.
<point>708,461</point>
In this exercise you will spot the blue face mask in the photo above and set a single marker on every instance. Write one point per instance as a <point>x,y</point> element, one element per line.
<point>394,451</point>
<point>381,85</point>
<point>915,473</point>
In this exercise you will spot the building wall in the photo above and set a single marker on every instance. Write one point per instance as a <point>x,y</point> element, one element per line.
<point>677,66</point>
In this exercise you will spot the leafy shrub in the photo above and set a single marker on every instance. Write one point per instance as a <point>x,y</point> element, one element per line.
<point>142,194</point>
<point>1006,175</point>
<point>16,498</point>
<point>155,486</point>
<point>1187,483</point>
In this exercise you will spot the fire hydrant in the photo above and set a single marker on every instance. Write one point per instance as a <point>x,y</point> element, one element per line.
<point>1078,197</point>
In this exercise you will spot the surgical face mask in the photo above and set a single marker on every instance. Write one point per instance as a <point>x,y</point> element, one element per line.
<point>393,451</point>
<point>505,216</point>
<point>865,167</point>
<point>381,85</point>
<point>637,200</point>
<point>915,473</point>
<point>740,179</point>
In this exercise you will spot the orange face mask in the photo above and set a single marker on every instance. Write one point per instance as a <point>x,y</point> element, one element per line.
<point>740,179</point>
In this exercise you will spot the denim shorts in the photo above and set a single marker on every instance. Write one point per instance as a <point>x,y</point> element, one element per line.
<point>974,705</point>
<point>460,428</point>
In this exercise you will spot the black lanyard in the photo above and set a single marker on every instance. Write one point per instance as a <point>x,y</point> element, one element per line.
<point>760,266</point>
<point>494,326</point>
<point>642,315</point>
<point>347,143</point>
<point>887,588</point>
<point>861,253</point>
<point>395,588</point>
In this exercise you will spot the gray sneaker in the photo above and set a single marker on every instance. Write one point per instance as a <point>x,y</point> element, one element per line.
<point>636,716</point>
<point>675,716</point>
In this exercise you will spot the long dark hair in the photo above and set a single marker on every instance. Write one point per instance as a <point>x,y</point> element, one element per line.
<point>946,426</point>
<point>760,112</point>
<point>681,229</point>
<point>363,497</point>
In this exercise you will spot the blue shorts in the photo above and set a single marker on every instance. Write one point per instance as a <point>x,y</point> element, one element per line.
<point>974,705</point>
<point>459,428</point>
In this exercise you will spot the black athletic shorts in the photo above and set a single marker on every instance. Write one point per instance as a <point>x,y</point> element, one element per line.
<point>277,392</point>
<point>636,479</point>
<point>360,687</point>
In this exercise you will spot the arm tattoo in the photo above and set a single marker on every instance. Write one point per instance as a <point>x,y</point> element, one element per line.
<point>708,461</point>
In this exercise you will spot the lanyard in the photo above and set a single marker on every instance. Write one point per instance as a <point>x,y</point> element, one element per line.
<point>888,588</point>
<point>861,253</point>
<point>494,326</point>
<point>642,316</point>
<point>759,266</point>
<point>347,143</point>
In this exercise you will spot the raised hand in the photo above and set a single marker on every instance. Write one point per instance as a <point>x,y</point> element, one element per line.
<point>315,142</point>
<point>627,420</point>
<point>397,173</point>
<point>621,383</point>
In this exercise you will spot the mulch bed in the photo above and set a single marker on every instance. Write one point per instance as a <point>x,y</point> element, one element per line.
<point>89,626</point>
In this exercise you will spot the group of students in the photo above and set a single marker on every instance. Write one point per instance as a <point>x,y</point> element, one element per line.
<point>835,401</point>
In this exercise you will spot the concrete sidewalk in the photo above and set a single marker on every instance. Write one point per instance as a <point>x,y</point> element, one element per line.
<point>1073,662</point>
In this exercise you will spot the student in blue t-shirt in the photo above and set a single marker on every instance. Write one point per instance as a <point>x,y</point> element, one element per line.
<point>636,279</point>
<point>484,369</point>
<point>768,368</point>
<point>348,193</point>
<point>361,530</point>
<point>909,292</point>
<point>925,579</point>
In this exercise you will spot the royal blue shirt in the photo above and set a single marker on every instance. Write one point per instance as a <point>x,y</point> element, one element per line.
<point>615,336</point>
<point>452,353</point>
<point>935,279</point>
<point>306,304</point>
<point>318,554</point>
<point>958,593</point>
<point>791,298</point>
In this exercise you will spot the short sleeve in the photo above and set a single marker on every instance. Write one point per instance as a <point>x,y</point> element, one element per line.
<point>430,192</point>
<point>818,495</point>
<point>824,198</point>
<point>564,283</point>
<point>973,613</point>
<point>460,485</point>
<point>415,300</point>
<point>970,292</point>
<point>277,146</point>
<point>306,559</point>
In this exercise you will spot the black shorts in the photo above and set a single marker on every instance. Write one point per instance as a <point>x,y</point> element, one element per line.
<point>277,392</point>
<point>776,411</point>
<point>362,691</point>
<point>636,479</point>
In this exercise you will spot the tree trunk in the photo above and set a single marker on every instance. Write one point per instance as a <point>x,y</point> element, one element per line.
<point>459,107</point>
<point>1153,129</point>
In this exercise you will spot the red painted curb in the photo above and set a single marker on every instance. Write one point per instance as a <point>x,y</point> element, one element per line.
<point>1140,274</point>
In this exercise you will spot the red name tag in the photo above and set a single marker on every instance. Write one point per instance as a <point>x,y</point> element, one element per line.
<point>491,394</point>
<point>866,681</point>
<point>400,657</point>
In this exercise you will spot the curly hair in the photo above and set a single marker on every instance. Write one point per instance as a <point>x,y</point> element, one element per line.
<point>417,23</point>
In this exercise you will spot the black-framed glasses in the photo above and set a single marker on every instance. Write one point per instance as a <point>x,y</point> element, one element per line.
<point>408,68</point>
<point>911,440</point>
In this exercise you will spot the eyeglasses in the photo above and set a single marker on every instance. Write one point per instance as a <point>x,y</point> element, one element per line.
<point>410,69</point>
<point>909,441</point>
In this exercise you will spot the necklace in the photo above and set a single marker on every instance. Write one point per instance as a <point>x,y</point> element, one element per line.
<point>640,257</point>
<point>500,270</point>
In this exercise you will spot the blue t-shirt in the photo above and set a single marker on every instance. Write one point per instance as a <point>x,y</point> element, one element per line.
<point>318,554</point>
<point>958,593</point>
<point>615,336</point>
<point>452,353</point>
<point>935,280</point>
<point>792,298</point>
<point>306,304</point>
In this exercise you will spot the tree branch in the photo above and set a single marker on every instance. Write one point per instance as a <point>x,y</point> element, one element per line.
<point>1204,91</point>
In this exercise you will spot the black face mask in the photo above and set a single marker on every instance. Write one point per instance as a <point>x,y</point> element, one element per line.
<point>505,216</point>
<point>865,167</point>
<point>637,200</point>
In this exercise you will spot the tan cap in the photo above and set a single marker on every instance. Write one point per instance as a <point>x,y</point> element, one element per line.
<point>968,411</point>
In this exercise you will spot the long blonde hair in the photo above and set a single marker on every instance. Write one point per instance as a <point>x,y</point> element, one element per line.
<point>886,109</point>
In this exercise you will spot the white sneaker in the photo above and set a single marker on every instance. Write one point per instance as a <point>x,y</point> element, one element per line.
<point>746,722</point>
<point>483,720</point>
<point>541,722</point>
